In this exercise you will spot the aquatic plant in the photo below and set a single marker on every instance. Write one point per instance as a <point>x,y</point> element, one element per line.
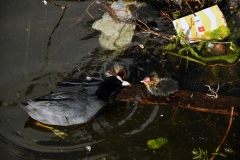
<point>203,155</point>
<point>202,52</point>
<point>157,143</point>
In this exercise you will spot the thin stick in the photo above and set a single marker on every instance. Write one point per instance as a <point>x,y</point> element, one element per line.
<point>148,30</point>
<point>229,82</point>
<point>111,12</point>
<point>224,65</point>
<point>144,24</point>
<point>88,8</point>
<point>54,4</point>
<point>166,15</point>
<point>186,57</point>
<point>225,136</point>
<point>189,7</point>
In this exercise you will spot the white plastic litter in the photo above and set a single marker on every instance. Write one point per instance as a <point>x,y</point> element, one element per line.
<point>115,35</point>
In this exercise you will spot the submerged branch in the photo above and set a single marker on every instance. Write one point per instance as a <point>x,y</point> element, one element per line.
<point>184,99</point>
<point>88,8</point>
<point>57,5</point>
<point>188,58</point>
<point>226,134</point>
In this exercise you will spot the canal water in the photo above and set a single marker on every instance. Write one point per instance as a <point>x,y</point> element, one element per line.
<point>42,45</point>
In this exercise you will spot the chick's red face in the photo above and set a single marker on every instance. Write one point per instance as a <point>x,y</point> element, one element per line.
<point>146,79</point>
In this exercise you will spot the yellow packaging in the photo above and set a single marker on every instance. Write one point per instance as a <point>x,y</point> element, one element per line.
<point>200,25</point>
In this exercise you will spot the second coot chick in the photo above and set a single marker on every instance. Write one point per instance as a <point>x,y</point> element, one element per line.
<point>112,68</point>
<point>160,86</point>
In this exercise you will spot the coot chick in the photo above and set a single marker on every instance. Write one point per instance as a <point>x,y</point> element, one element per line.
<point>112,68</point>
<point>142,11</point>
<point>160,86</point>
<point>69,108</point>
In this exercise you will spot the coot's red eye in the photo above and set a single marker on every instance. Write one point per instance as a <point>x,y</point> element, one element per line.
<point>121,73</point>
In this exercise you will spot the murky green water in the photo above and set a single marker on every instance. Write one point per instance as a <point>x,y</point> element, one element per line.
<point>36,54</point>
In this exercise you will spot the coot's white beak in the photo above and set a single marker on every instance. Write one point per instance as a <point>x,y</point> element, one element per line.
<point>125,83</point>
<point>118,77</point>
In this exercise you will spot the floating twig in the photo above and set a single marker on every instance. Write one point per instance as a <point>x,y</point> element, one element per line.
<point>49,41</point>
<point>187,57</point>
<point>230,82</point>
<point>148,30</point>
<point>54,4</point>
<point>166,15</point>
<point>224,65</point>
<point>109,9</point>
<point>88,8</point>
<point>228,129</point>
<point>189,7</point>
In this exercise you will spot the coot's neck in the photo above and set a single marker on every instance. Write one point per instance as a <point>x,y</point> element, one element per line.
<point>108,87</point>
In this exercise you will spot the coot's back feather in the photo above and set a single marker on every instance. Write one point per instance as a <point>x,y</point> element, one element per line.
<point>64,108</point>
<point>69,108</point>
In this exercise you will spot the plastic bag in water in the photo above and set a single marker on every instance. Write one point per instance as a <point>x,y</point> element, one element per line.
<point>115,35</point>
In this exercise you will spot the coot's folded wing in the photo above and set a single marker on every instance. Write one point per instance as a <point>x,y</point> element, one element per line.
<point>64,108</point>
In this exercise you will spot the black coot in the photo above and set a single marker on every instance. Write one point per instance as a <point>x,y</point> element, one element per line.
<point>69,108</point>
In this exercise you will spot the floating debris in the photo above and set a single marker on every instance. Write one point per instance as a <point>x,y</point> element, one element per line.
<point>115,36</point>
<point>44,2</point>
<point>157,143</point>
<point>213,93</point>
<point>207,24</point>
<point>89,148</point>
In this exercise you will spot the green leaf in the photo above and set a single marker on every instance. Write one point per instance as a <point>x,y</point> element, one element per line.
<point>195,152</point>
<point>218,34</point>
<point>194,53</point>
<point>157,143</point>
<point>200,45</point>
<point>215,154</point>
<point>200,152</point>
<point>219,154</point>
<point>182,49</point>
<point>176,14</point>
<point>223,155</point>
<point>230,58</point>
<point>170,47</point>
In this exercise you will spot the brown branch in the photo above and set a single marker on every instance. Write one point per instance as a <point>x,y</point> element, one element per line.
<point>108,8</point>
<point>166,15</point>
<point>229,82</point>
<point>223,65</point>
<point>153,32</point>
<point>228,129</point>
<point>88,8</point>
<point>111,12</point>
<point>54,4</point>
<point>184,99</point>
<point>144,24</point>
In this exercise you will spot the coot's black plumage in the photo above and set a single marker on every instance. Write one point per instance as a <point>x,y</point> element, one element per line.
<point>68,108</point>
